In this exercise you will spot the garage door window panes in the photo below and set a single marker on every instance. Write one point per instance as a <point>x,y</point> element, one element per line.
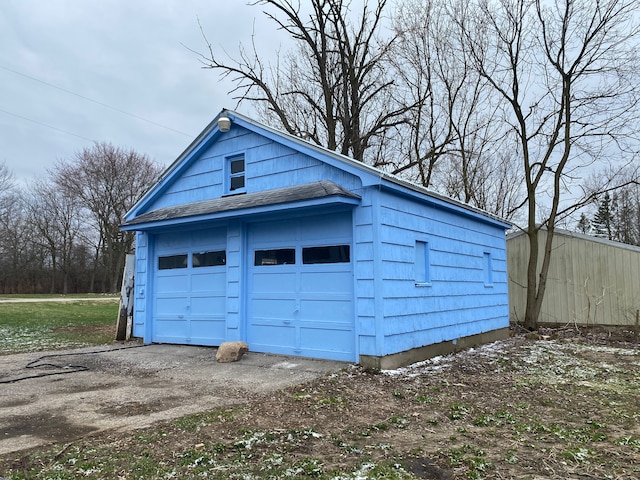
<point>282,256</point>
<point>329,254</point>
<point>209,259</point>
<point>172,261</point>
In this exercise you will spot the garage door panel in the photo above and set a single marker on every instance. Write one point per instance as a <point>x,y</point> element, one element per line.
<point>190,296</point>
<point>274,307</point>
<point>208,332</point>
<point>336,312</point>
<point>263,282</point>
<point>204,239</point>
<point>304,308</point>
<point>172,284</point>
<point>271,232</point>
<point>170,241</point>
<point>336,343</point>
<point>209,282</point>
<point>272,335</point>
<point>170,328</point>
<point>171,305</point>
<point>326,282</point>
<point>209,305</point>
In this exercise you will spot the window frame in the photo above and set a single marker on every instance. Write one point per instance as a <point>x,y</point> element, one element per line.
<point>180,266</point>
<point>220,254</point>
<point>231,175</point>
<point>276,262</point>
<point>343,248</point>
<point>488,269</point>
<point>422,264</point>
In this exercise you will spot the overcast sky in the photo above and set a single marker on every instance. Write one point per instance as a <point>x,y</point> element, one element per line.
<point>70,68</point>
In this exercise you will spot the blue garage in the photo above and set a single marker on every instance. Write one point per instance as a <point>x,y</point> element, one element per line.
<point>256,235</point>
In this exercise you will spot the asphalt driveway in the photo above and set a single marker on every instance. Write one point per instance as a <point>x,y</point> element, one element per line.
<point>63,395</point>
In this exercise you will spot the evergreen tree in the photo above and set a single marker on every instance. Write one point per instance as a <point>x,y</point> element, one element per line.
<point>584,225</point>
<point>603,220</point>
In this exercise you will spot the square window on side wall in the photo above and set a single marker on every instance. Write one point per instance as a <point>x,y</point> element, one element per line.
<point>236,174</point>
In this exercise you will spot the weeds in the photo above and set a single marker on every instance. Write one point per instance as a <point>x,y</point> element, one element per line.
<point>538,420</point>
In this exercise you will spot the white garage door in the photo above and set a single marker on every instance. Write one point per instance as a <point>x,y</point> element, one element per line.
<point>190,288</point>
<point>300,292</point>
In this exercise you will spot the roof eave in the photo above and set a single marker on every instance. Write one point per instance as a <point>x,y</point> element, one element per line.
<point>336,200</point>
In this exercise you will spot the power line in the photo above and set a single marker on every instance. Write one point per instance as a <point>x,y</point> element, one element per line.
<point>93,101</point>
<point>46,125</point>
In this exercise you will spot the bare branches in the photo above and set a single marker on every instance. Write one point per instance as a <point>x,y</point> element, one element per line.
<point>580,106</point>
<point>107,181</point>
<point>335,89</point>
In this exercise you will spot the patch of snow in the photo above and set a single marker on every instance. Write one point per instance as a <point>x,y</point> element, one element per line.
<point>360,474</point>
<point>287,365</point>
<point>488,351</point>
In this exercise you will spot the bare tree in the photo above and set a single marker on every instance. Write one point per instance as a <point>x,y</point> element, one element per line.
<point>455,141</point>
<point>7,202</point>
<point>428,86</point>
<point>7,188</point>
<point>567,73</point>
<point>19,260</point>
<point>333,88</point>
<point>107,181</point>
<point>57,220</point>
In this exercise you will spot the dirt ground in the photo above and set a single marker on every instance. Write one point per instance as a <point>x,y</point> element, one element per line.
<point>558,404</point>
<point>63,395</point>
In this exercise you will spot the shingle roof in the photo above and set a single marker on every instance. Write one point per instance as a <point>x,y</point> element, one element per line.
<point>295,193</point>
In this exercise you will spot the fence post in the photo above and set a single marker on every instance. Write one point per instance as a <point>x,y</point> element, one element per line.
<point>125,313</point>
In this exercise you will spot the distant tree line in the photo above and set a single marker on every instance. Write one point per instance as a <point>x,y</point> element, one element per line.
<point>60,233</point>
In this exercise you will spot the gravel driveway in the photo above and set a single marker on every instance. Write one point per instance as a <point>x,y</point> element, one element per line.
<point>63,395</point>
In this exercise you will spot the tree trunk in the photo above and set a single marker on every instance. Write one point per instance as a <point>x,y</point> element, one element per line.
<point>532,310</point>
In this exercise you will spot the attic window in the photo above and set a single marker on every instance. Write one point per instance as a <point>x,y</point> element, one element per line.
<point>236,173</point>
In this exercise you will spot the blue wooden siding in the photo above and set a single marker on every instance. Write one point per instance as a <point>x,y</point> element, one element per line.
<point>457,303</point>
<point>235,243</point>
<point>367,277</point>
<point>268,165</point>
<point>141,283</point>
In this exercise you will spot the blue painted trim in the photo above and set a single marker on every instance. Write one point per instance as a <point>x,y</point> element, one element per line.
<point>210,134</point>
<point>354,297</point>
<point>243,321</point>
<point>268,209</point>
<point>150,288</point>
<point>378,282</point>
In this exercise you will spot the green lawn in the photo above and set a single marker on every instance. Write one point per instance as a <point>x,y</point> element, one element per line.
<point>29,327</point>
<point>84,296</point>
